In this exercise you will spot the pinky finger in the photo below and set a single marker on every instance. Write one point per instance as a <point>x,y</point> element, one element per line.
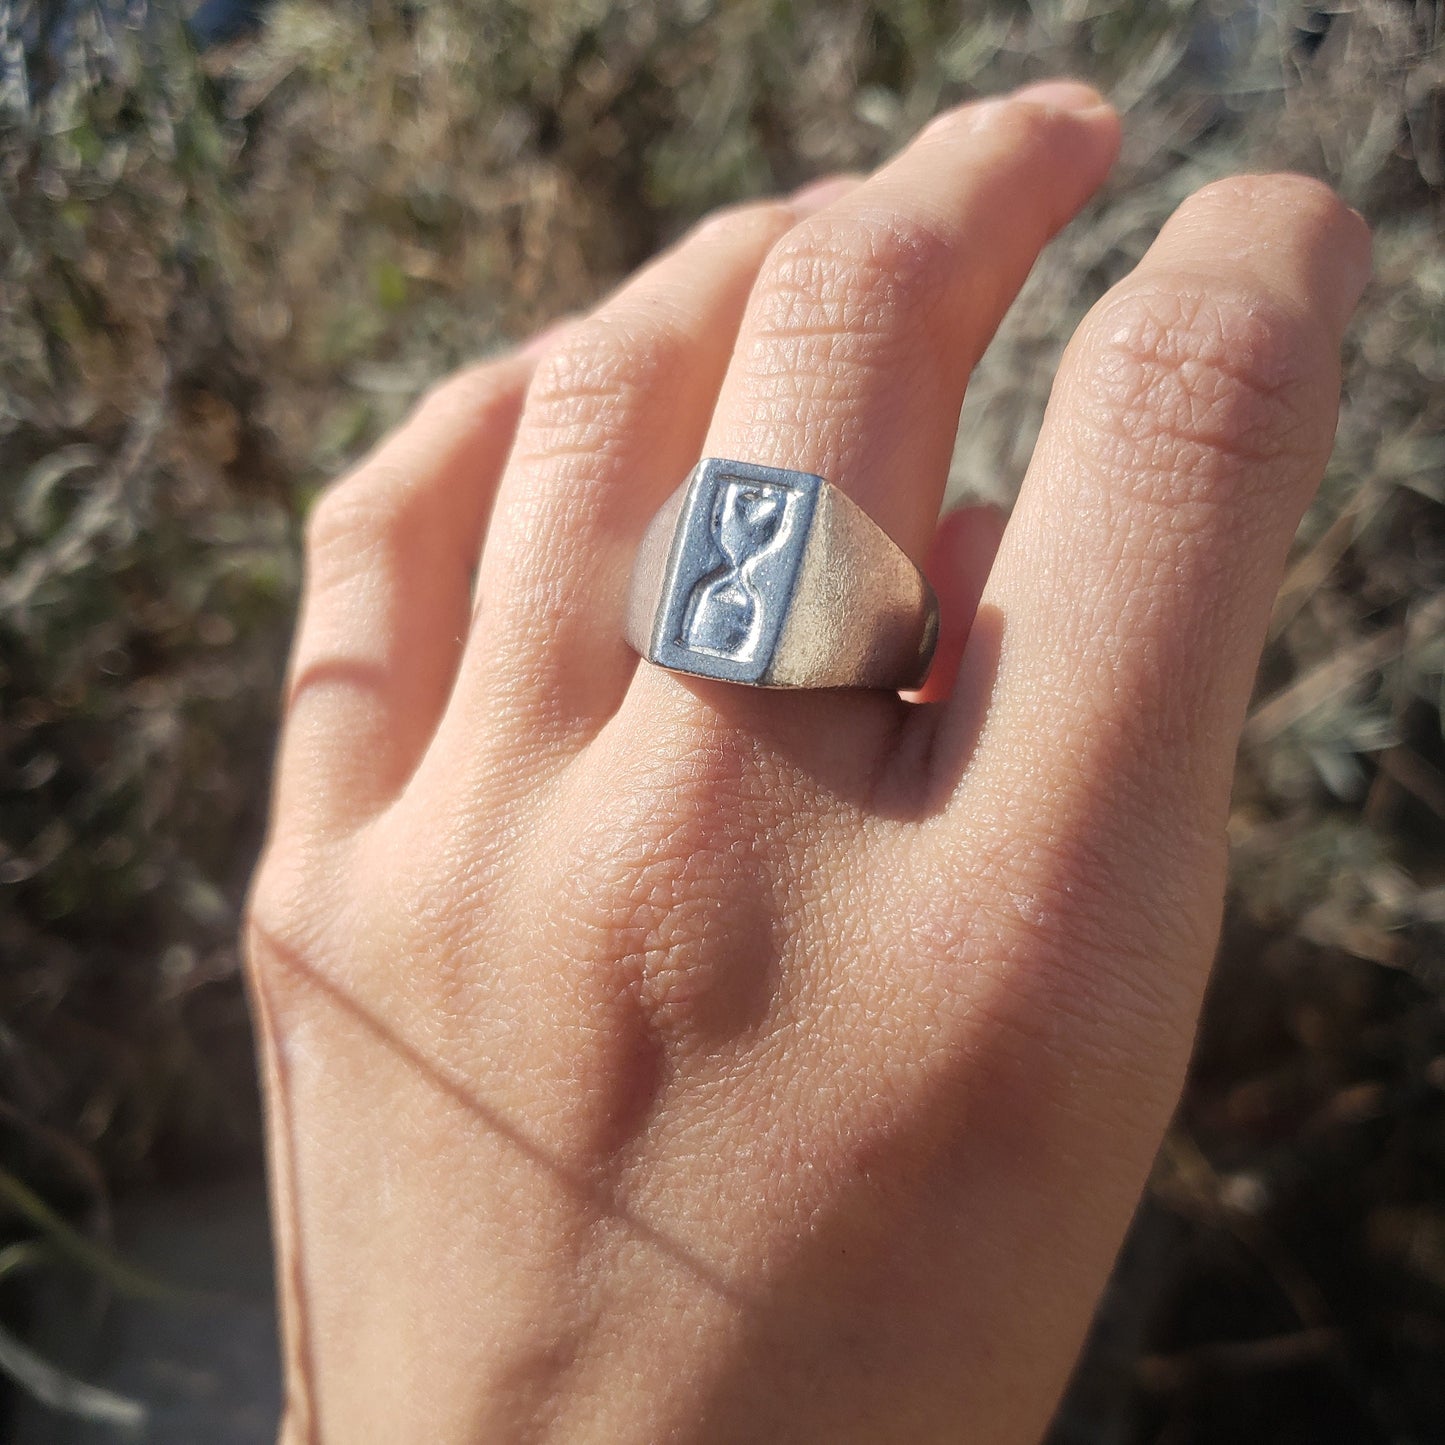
<point>389,556</point>
<point>958,564</point>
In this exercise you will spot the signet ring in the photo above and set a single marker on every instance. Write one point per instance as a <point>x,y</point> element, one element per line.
<point>775,578</point>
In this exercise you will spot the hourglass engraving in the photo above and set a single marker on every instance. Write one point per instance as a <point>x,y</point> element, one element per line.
<point>767,576</point>
<point>725,610</point>
<point>731,568</point>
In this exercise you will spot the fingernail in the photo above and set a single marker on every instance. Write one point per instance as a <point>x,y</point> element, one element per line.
<point>1363,259</point>
<point>1061,95</point>
<point>817,194</point>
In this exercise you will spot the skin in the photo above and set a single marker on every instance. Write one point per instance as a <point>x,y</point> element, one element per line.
<point>651,1059</point>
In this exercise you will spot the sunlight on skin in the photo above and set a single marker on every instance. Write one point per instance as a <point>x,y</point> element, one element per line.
<point>652,1058</point>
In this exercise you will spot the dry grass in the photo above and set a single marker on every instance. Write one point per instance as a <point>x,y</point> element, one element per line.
<point>221,281</point>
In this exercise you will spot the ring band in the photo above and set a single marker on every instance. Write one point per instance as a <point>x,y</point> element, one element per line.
<point>775,578</point>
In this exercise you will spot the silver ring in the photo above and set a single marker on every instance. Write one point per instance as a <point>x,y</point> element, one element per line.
<point>775,578</point>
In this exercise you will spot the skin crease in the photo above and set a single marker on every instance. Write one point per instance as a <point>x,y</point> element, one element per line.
<point>650,1059</point>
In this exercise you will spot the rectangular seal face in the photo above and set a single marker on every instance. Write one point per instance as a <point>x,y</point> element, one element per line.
<point>733,566</point>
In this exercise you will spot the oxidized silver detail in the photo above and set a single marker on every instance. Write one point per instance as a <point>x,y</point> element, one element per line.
<point>772,577</point>
<point>725,612</point>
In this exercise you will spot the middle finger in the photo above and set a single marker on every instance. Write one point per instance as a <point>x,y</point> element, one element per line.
<point>867,318</point>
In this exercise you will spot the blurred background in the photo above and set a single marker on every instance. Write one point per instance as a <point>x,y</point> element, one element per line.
<point>237,240</point>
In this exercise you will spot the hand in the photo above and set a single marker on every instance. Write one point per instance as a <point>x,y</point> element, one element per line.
<point>656,1059</point>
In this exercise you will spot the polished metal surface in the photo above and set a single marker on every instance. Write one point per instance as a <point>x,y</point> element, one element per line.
<point>777,579</point>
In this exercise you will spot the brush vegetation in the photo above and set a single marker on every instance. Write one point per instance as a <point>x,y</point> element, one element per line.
<point>222,277</point>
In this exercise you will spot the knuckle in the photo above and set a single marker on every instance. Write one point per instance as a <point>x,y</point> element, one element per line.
<point>479,394</point>
<point>1016,129</point>
<point>1044,903</point>
<point>1004,125</point>
<point>387,495</point>
<point>752,225</point>
<point>1296,197</point>
<point>305,924</point>
<point>289,899</point>
<point>586,393</point>
<point>1179,373</point>
<point>335,520</point>
<point>851,273</point>
<point>353,517</point>
<point>681,923</point>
